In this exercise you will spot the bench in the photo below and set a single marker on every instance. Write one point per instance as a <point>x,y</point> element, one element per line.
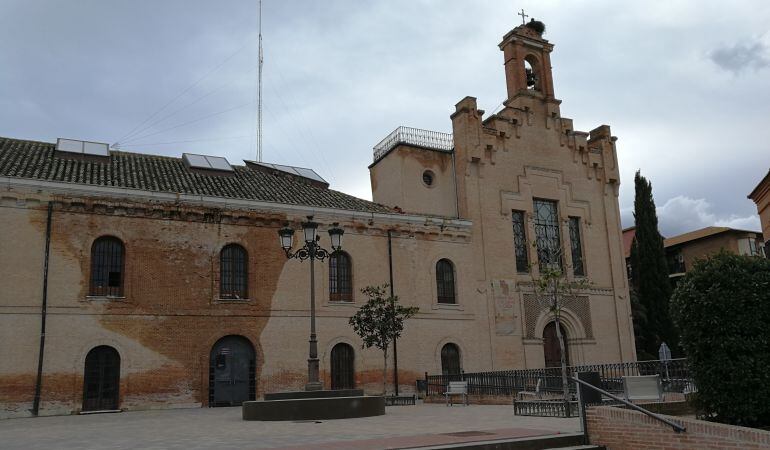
<point>643,387</point>
<point>456,388</point>
<point>536,393</point>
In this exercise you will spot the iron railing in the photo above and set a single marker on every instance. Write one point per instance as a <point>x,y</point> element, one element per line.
<point>676,427</point>
<point>546,408</point>
<point>674,376</point>
<point>434,140</point>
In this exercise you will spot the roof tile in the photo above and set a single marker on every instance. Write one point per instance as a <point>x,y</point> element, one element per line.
<point>38,161</point>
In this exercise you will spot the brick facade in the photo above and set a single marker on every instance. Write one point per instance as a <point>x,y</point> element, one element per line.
<point>621,429</point>
<point>170,315</point>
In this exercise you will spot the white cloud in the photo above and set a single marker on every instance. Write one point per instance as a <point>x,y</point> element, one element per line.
<point>682,214</point>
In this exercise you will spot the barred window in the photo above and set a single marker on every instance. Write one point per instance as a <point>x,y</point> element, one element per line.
<point>445,281</point>
<point>576,243</point>
<point>340,278</point>
<point>547,234</point>
<point>520,242</point>
<point>233,265</point>
<point>107,262</point>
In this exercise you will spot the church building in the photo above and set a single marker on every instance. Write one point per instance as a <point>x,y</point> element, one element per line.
<point>135,281</point>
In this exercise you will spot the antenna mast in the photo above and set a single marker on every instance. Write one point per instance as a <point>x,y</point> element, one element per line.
<point>259,90</point>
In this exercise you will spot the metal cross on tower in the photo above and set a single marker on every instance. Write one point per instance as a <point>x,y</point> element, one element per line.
<point>523,16</point>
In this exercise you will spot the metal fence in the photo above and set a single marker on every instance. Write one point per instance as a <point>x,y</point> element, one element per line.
<point>414,136</point>
<point>674,375</point>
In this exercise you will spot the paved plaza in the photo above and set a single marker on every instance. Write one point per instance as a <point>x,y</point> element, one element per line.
<point>222,428</point>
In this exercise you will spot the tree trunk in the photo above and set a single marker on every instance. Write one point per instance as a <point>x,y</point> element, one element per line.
<point>564,382</point>
<point>385,372</point>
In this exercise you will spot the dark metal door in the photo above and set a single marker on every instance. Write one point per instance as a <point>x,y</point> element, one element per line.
<point>232,378</point>
<point>450,360</point>
<point>101,380</point>
<point>551,347</point>
<point>343,367</point>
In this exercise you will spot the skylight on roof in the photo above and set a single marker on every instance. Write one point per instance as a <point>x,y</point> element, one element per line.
<point>82,147</point>
<point>207,162</point>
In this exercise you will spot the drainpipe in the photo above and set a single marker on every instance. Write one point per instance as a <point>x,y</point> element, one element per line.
<point>395,347</point>
<point>39,380</point>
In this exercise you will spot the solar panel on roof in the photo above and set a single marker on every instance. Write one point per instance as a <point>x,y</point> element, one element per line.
<point>292,170</point>
<point>288,169</point>
<point>95,148</point>
<point>207,162</point>
<point>219,163</point>
<point>309,173</point>
<point>82,147</point>
<point>69,145</point>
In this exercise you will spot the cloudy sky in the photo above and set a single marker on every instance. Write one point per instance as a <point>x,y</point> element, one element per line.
<point>684,85</point>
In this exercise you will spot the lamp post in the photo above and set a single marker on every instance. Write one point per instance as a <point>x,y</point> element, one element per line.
<point>312,251</point>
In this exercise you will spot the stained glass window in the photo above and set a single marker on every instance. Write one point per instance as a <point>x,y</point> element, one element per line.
<point>576,243</point>
<point>547,234</point>
<point>520,242</point>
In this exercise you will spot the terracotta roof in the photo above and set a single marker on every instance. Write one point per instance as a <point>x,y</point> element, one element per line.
<point>699,234</point>
<point>38,161</point>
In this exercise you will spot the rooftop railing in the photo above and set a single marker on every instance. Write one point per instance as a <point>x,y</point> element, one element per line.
<point>434,140</point>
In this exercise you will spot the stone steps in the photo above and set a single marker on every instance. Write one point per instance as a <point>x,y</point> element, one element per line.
<point>573,441</point>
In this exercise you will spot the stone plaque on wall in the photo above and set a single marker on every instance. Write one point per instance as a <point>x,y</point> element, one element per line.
<point>504,295</point>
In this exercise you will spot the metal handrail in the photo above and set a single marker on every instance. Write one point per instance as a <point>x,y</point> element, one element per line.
<point>677,428</point>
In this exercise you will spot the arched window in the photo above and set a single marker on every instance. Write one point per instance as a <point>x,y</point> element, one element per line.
<point>107,262</point>
<point>450,359</point>
<point>551,348</point>
<point>101,379</point>
<point>343,367</point>
<point>340,278</point>
<point>233,272</point>
<point>445,281</point>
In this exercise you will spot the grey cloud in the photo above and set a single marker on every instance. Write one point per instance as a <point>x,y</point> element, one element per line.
<point>742,56</point>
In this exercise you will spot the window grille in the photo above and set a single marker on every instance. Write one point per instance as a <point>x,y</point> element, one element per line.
<point>107,262</point>
<point>520,242</point>
<point>445,281</point>
<point>547,234</point>
<point>576,244</point>
<point>233,282</point>
<point>340,278</point>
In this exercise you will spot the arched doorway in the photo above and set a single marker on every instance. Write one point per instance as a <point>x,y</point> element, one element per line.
<point>450,359</point>
<point>101,379</point>
<point>343,367</point>
<point>551,348</point>
<point>232,372</point>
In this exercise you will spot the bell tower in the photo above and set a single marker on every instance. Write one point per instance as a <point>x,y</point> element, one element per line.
<point>528,62</point>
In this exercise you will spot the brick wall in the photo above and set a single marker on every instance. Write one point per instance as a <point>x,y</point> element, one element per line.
<point>620,429</point>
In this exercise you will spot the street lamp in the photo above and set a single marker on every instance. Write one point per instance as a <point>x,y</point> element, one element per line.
<point>312,251</point>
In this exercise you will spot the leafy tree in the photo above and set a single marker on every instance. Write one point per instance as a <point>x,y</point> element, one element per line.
<point>722,307</point>
<point>379,321</point>
<point>554,288</point>
<point>650,274</point>
<point>639,314</point>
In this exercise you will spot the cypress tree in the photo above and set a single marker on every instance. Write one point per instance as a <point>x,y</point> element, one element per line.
<point>650,274</point>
